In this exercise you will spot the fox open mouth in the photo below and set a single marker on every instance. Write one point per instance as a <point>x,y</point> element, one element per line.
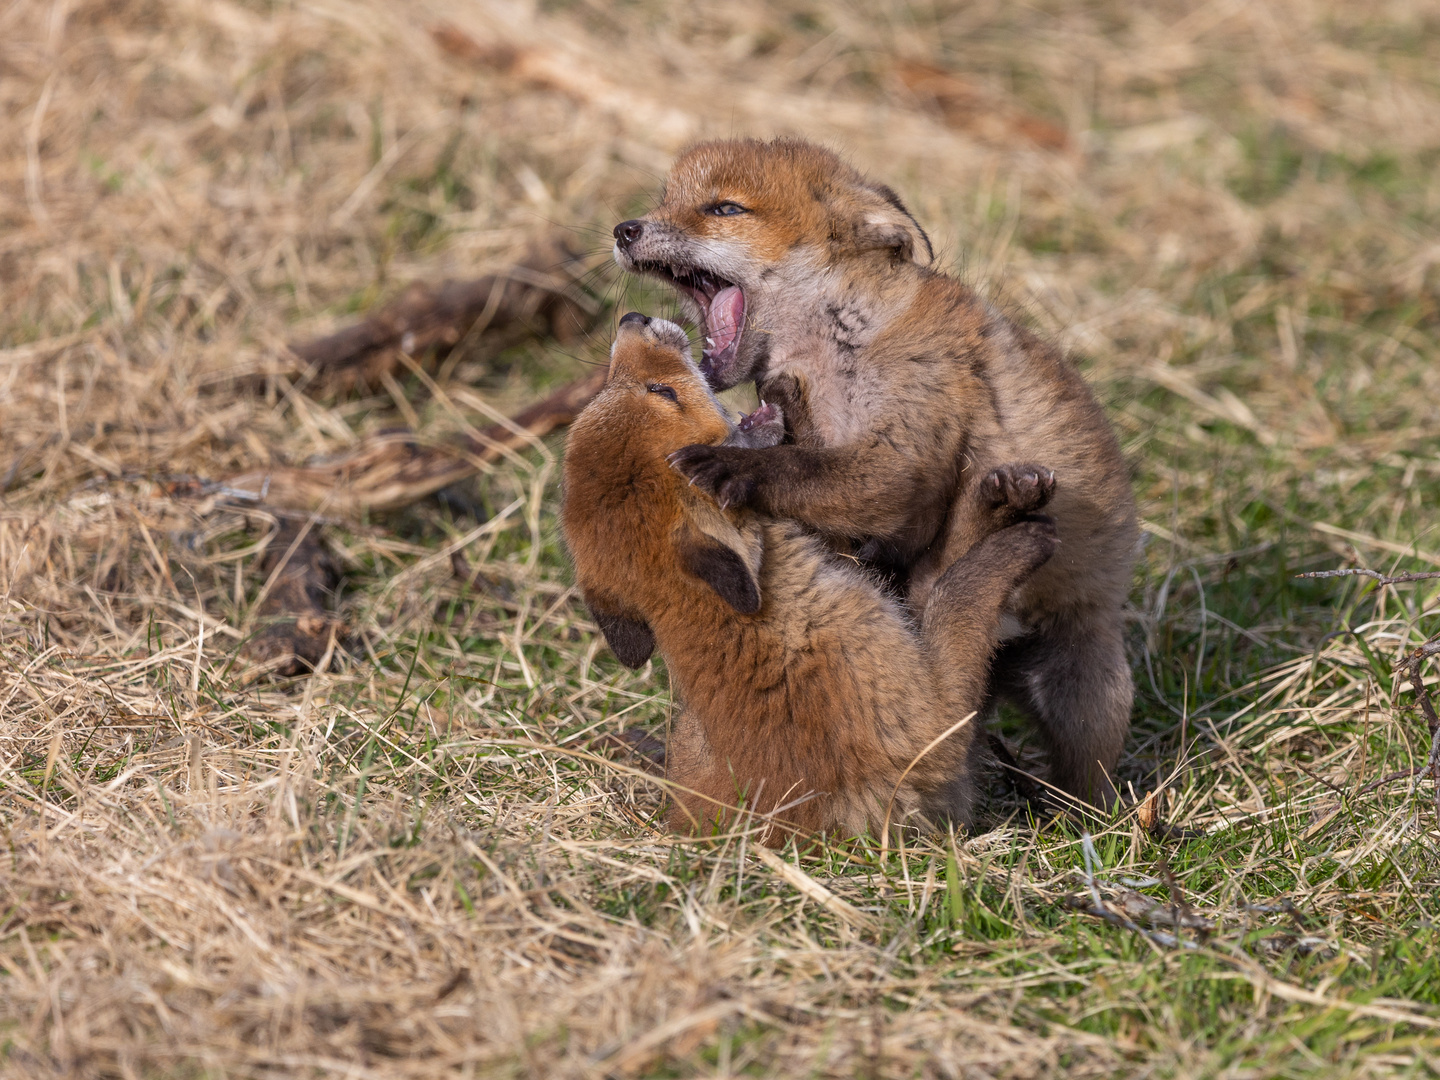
<point>722,309</point>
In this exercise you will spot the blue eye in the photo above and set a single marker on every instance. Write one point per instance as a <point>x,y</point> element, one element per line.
<point>726,209</point>
<point>664,391</point>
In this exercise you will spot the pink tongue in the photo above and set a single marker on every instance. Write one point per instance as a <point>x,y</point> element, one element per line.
<point>726,316</point>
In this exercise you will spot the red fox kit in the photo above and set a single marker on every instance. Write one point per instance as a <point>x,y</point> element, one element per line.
<point>807,691</point>
<point>906,396</point>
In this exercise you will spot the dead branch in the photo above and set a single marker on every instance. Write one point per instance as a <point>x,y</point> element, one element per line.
<point>393,469</point>
<point>1383,579</point>
<point>539,294</point>
<point>1101,910</point>
<point>1433,767</point>
<point>1411,666</point>
<point>1390,778</point>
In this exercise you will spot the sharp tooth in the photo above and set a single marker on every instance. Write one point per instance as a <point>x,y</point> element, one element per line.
<point>710,341</point>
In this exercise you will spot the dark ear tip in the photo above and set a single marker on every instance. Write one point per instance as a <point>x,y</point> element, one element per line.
<point>724,571</point>
<point>747,599</point>
<point>631,640</point>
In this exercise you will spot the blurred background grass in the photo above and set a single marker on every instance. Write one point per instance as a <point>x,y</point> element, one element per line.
<point>426,859</point>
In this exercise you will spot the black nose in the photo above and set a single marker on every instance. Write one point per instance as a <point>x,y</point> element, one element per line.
<point>633,318</point>
<point>627,232</point>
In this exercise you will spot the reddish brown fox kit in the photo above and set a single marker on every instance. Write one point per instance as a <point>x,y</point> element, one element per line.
<point>807,691</point>
<point>908,400</point>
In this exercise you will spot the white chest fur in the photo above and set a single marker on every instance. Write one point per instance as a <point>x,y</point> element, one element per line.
<point>822,335</point>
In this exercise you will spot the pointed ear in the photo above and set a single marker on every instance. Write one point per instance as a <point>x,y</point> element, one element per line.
<point>725,572</point>
<point>724,555</point>
<point>629,637</point>
<point>883,223</point>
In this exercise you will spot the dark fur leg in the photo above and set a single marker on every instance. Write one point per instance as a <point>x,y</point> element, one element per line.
<point>959,624</point>
<point>1074,681</point>
<point>863,491</point>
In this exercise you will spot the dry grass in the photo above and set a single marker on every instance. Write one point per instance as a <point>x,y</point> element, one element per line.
<point>427,859</point>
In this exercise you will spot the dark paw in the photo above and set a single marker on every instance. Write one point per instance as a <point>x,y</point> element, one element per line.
<point>1015,490</point>
<point>1036,539</point>
<point>716,471</point>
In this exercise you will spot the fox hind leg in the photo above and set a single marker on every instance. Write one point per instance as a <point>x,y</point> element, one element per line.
<point>1073,679</point>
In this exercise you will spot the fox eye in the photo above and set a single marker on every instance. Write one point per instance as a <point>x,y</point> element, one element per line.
<point>664,391</point>
<point>726,209</point>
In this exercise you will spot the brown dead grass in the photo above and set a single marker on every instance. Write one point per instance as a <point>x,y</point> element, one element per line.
<point>424,860</point>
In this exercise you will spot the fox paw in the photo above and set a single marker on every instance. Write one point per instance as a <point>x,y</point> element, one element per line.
<point>1015,490</point>
<point>721,472</point>
<point>1034,540</point>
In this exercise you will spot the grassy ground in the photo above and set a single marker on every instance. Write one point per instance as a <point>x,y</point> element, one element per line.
<point>426,859</point>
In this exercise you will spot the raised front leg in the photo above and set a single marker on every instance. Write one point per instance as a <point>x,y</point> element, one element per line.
<point>1000,498</point>
<point>961,619</point>
<point>850,491</point>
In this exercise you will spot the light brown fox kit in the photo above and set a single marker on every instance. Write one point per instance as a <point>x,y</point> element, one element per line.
<point>908,400</point>
<point>807,691</point>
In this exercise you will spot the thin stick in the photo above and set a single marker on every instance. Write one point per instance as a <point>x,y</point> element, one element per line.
<point>1383,579</point>
<point>1390,778</point>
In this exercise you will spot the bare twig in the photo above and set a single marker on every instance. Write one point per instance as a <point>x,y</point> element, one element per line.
<point>1432,766</point>
<point>1411,666</point>
<point>1383,579</point>
<point>1390,778</point>
<point>1160,939</point>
